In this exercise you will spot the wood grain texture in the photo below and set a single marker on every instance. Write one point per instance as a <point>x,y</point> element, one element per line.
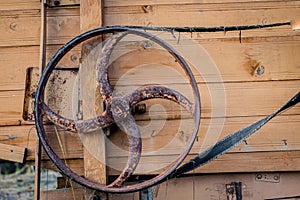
<point>217,3</point>
<point>214,187</point>
<point>248,97</point>
<point>19,5</point>
<point>15,61</point>
<point>242,100</point>
<point>21,28</point>
<point>12,153</point>
<point>230,162</point>
<point>94,143</point>
<point>199,14</point>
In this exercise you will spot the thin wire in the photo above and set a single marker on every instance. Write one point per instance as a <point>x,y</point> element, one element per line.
<point>47,182</point>
<point>194,184</point>
<point>28,136</point>
<point>64,157</point>
<point>205,29</point>
<point>166,191</point>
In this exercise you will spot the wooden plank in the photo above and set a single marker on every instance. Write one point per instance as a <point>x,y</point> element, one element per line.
<point>19,5</point>
<point>94,143</point>
<point>117,3</point>
<point>243,162</point>
<point>15,61</point>
<point>20,28</point>
<point>12,106</point>
<point>65,193</point>
<point>214,187</point>
<point>211,186</point>
<point>64,23</point>
<point>259,146</point>
<point>199,14</point>
<point>279,59</point>
<point>242,99</point>
<point>278,135</point>
<point>25,137</point>
<point>168,137</point>
<point>12,153</point>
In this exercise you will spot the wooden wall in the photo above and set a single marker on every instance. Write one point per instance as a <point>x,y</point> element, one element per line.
<point>249,97</point>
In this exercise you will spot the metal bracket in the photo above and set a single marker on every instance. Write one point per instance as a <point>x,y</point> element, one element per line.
<point>268,177</point>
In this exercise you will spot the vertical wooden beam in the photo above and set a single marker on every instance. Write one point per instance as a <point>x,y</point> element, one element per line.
<point>90,14</point>
<point>90,18</point>
<point>42,60</point>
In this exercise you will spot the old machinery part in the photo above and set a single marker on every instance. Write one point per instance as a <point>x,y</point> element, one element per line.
<point>117,110</point>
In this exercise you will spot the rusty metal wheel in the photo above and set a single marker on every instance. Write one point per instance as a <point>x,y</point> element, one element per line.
<point>117,110</point>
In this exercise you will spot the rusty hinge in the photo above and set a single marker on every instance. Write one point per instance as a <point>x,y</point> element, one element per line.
<point>55,3</point>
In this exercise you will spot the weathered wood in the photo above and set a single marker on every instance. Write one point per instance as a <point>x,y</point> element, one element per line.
<point>214,187</point>
<point>230,162</point>
<point>249,97</point>
<point>21,28</point>
<point>64,22</point>
<point>199,14</point>
<point>65,193</point>
<point>12,153</point>
<point>16,60</point>
<point>269,138</point>
<point>279,135</point>
<point>25,137</point>
<point>243,99</point>
<point>217,3</point>
<point>243,162</point>
<point>94,155</point>
<point>20,5</point>
<point>279,59</point>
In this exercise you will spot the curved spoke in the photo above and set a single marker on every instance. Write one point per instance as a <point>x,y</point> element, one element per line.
<point>124,119</point>
<point>103,63</point>
<point>150,92</point>
<point>88,125</point>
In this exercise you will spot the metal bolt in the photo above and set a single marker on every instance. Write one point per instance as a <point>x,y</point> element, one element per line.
<point>276,178</point>
<point>259,176</point>
<point>147,44</point>
<point>260,70</point>
<point>140,108</point>
<point>56,2</point>
<point>73,57</point>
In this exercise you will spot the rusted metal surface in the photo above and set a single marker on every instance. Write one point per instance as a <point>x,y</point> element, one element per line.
<point>32,79</point>
<point>117,110</point>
